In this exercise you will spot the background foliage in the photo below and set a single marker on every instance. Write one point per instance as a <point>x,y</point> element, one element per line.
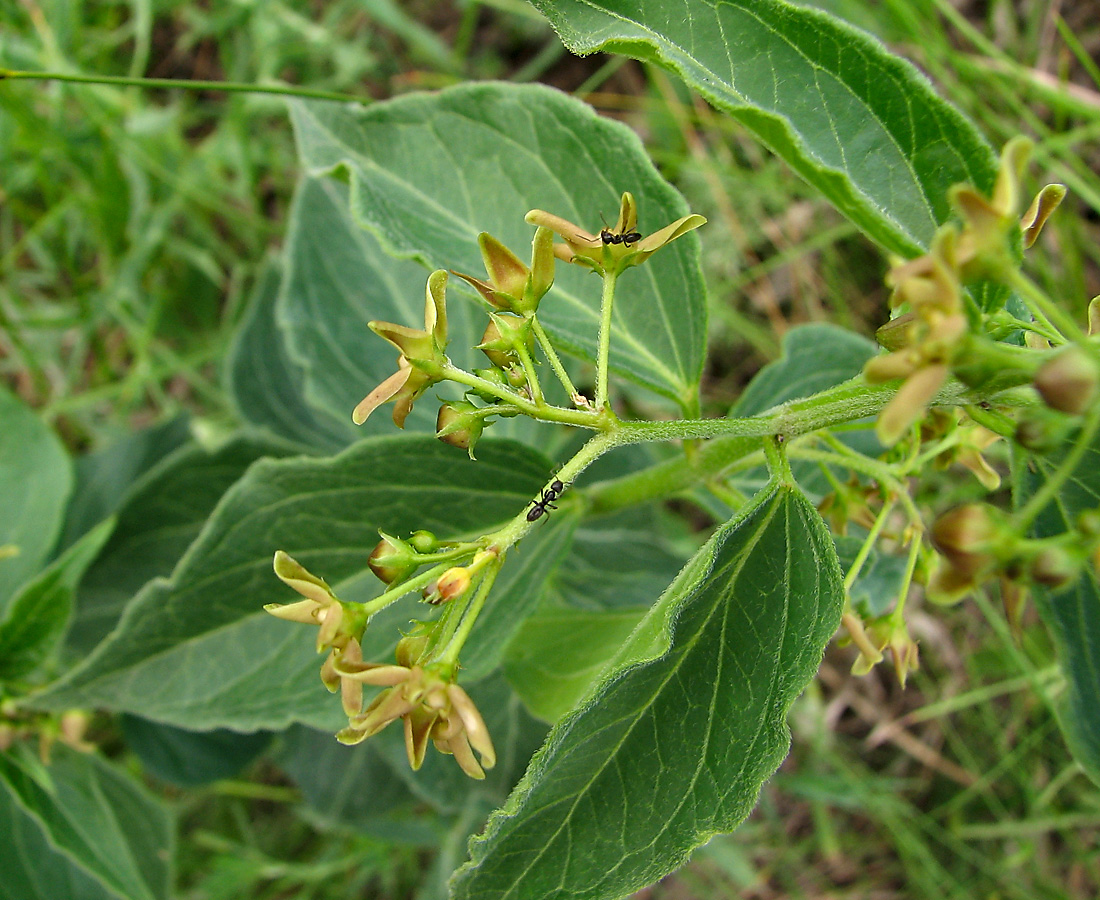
<point>142,235</point>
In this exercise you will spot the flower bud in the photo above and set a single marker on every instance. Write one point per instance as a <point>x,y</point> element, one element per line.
<point>423,541</point>
<point>411,647</point>
<point>1054,567</point>
<point>1067,382</point>
<point>392,560</point>
<point>502,335</point>
<point>459,425</point>
<point>965,535</point>
<point>897,333</point>
<point>453,583</point>
<point>1041,430</point>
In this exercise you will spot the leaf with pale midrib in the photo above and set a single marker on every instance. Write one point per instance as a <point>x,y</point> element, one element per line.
<point>673,743</point>
<point>858,123</point>
<point>197,650</point>
<point>428,172</point>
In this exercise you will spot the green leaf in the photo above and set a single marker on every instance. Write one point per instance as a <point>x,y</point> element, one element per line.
<point>191,758</point>
<point>337,279</point>
<point>198,651</point>
<point>556,655</point>
<point>33,869</point>
<point>353,787</point>
<point>858,123</point>
<point>159,517</point>
<point>103,478</point>
<point>428,172</point>
<point>99,818</point>
<point>814,357</point>
<point>267,387</point>
<point>615,561</point>
<point>35,480</point>
<point>1071,615</point>
<point>673,743</point>
<point>40,612</point>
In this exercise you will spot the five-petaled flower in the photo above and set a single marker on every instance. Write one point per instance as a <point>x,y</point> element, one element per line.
<point>431,705</point>
<point>612,249</point>
<point>422,356</point>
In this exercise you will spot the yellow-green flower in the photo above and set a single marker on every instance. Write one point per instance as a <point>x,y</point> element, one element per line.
<point>422,356</point>
<point>613,248</point>
<point>512,286</point>
<point>431,707</point>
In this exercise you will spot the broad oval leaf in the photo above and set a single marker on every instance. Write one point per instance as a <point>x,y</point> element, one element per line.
<point>858,123</point>
<point>673,743</point>
<point>1072,615</point>
<point>98,817</point>
<point>428,172</point>
<point>35,480</point>
<point>197,650</point>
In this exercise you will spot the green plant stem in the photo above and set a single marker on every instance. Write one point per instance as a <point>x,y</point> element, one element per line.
<point>1043,308</point>
<point>231,87</point>
<point>865,548</point>
<point>394,594</point>
<point>607,304</point>
<point>552,357</point>
<point>542,411</point>
<point>469,616</point>
<point>529,370</point>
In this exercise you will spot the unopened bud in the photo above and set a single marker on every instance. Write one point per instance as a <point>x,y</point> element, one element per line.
<point>392,560</point>
<point>411,647</point>
<point>502,335</point>
<point>1067,382</point>
<point>459,425</point>
<point>897,333</point>
<point>453,583</point>
<point>423,541</point>
<point>965,535</point>
<point>1041,430</point>
<point>1054,567</point>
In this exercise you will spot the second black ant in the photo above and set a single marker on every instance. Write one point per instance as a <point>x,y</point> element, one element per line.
<point>545,503</point>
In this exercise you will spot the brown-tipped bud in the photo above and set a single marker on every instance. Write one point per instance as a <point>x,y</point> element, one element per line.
<point>966,535</point>
<point>453,583</point>
<point>459,425</point>
<point>494,346</point>
<point>1067,382</point>
<point>1041,430</point>
<point>392,560</point>
<point>1054,567</point>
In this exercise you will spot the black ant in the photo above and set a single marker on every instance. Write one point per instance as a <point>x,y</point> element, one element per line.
<point>545,503</point>
<point>609,237</point>
<point>626,239</point>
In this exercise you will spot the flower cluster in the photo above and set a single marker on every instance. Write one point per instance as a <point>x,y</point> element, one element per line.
<point>928,340</point>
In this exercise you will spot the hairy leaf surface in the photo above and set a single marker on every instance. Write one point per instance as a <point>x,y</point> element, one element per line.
<point>99,818</point>
<point>35,480</point>
<point>858,123</point>
<point>1072,615</point>
<point>674,741</point>
<point>197,650</point>
<point>428,172</point>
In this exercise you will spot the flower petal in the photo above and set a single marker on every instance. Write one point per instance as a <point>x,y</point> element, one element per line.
<point>302,611</point>
<point>653,242</point>
<point>295,575</point>
<point>473,724</point>
<point>381,394</point>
